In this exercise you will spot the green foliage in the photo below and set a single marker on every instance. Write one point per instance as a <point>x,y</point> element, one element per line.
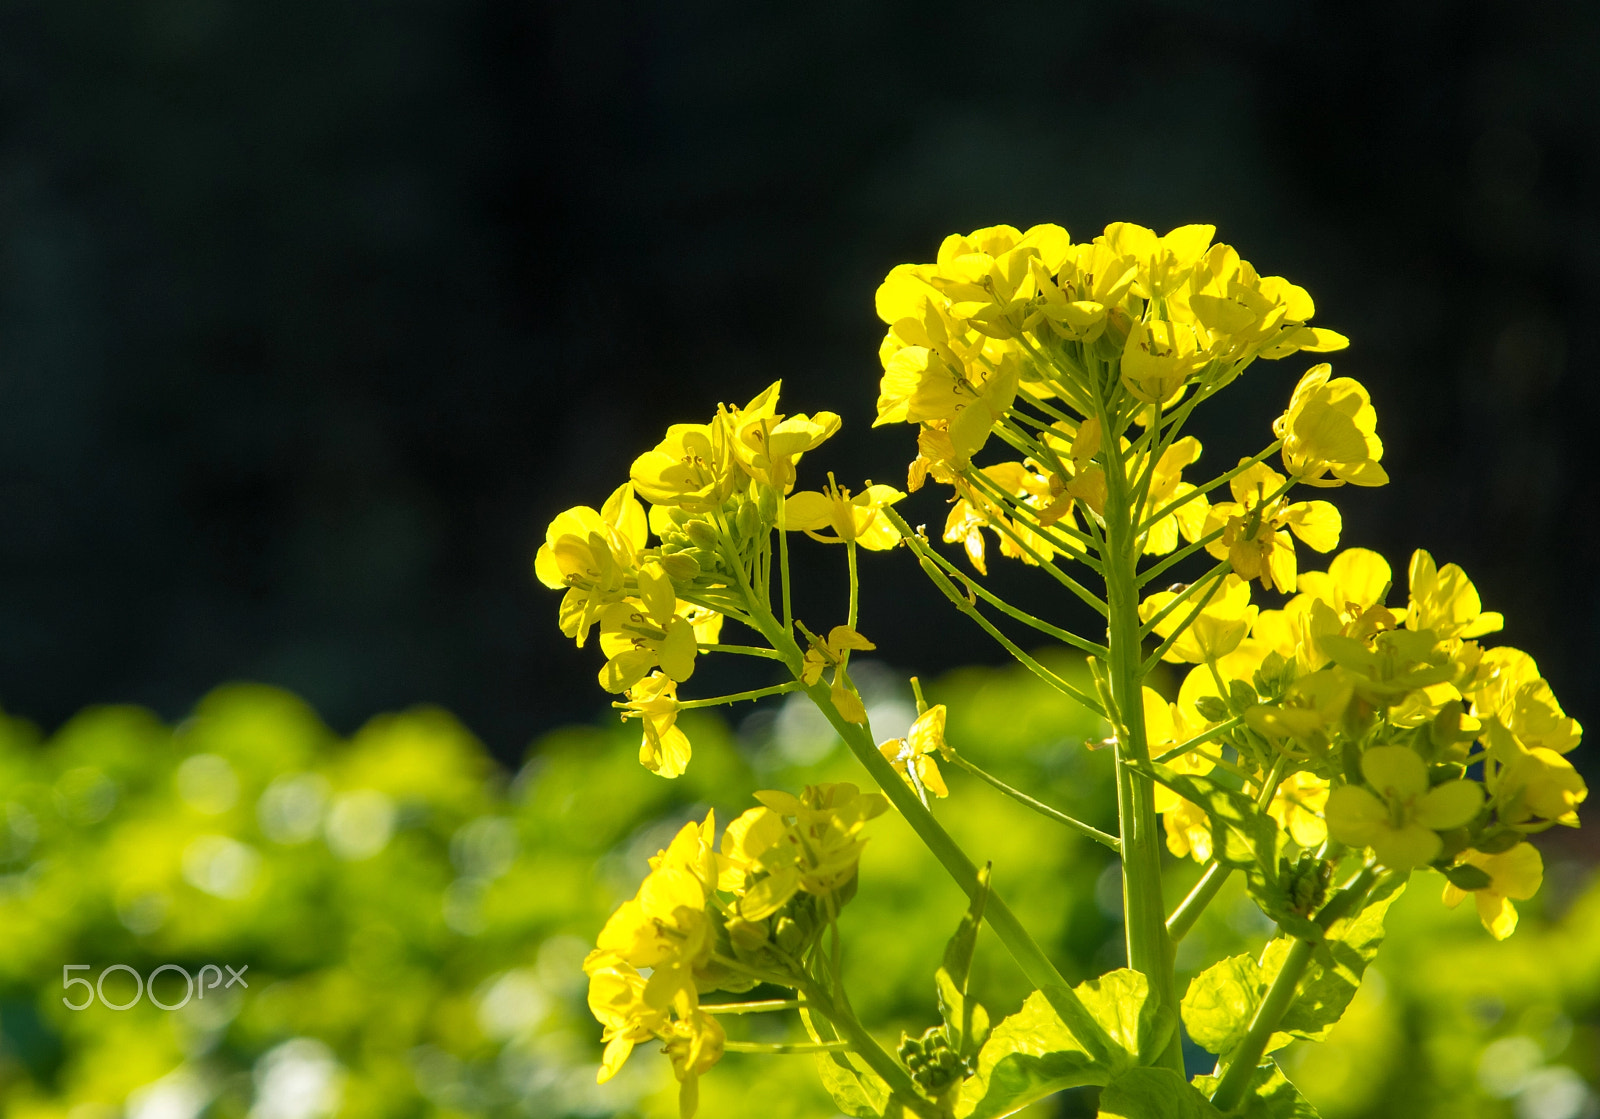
<point>438,974</point>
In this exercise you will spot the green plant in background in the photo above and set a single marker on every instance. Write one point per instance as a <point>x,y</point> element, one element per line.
<point>438,974</point>
<point>1325,748</point>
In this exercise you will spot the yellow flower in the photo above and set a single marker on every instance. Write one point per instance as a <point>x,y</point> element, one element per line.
<point>1514,874</point>
<point>1216,631</point>
<point>664,748</point>
<point>1093,279</point>
<point>1166,726</point>
<point>692,468</point>
<point>853,519</point>
<point>841,640</point>
<point>1312,709</point>
<point>1164,263</point>
<point>810,842</point>
<point>591,554</point>
<point>768,445</point>
<point>1167,486</point>
<point>1298,806</point>
<point>694,1045</point>
<point>1538,783</point>
<point>1400,823</point>
<point>914,754</point>
<point>988,275</point>
<point>1188,830</point>
<point>1518,708</point>
<point>616,999</point>
<point>1254,537</point>
<point>1331,428</point>
<point>636,639</point>
<point>1158,359</point>
<point>1444,600</point>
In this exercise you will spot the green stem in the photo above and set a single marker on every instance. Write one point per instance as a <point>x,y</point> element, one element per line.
<point>742,650</point>
<point>1087,830</point>
<point>1189,910</point>
<point>1062,543</point>
<point>1145,915</point>
<point>866,1047</point>
<point>1035,965</point>
<point>783,560</point>
<point>966,606</point>
<point>1066,637</point>
<point>718,701</point>
<point>1180,555</point>
<point>1199,740</point>
<point>1247,1056</point>
<point>759,1007</point>
<point>1226,476</point>
<point>785,1047</point>
<point>1172,638</point>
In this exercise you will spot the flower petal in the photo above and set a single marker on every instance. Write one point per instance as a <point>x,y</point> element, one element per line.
<point>1395,771</point>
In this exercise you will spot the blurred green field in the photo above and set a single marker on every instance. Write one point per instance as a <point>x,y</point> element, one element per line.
<point>412,918</point>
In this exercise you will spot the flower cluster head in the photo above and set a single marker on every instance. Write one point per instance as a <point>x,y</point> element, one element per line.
<point>706,920</point>
<point>716,491</point>
<point>1391,727</point>
<point>1045,345</point>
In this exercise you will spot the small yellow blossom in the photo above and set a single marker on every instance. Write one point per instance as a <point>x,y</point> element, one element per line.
<point>811,842</point>
<point>1215,632</point>
<point>636,639</point>
<point>664,748</point>
<point>913,755</point>
<point>1538,784</point>
<point>1402,820</point>
<point>1159,359</point>
<point>853,519</point>
<point>768,445</point>
<point>692,468</point>
<point>1514,874</point>
<point>1331,429</point>
<point>1167,487</point>
<point>1298,806</point>
<point>1256,525</point>
<point>1444,600</point>
<point>591,554</point>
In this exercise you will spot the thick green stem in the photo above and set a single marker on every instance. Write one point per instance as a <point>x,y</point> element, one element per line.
<point>1150,949</point>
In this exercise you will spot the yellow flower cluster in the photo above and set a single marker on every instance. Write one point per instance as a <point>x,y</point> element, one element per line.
<point>706,920</point>
<point>716,491</point>
<point>1384,714</point>
<point>1026,336</point>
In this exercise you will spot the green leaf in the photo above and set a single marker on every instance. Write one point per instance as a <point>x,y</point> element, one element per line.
<point>1120,1001</point>
<point>1335,971</point>
<point>1220,1002</point>
<point>1242,836</point>
<point>1032,1054</point>
<point>965,1021</point>
<point>1029,1055</point>
<point>855,1092</point>
<point>1271,1096</point>
<point>1154,1093</point>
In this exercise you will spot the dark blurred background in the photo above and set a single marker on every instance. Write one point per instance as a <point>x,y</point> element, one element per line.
<point>312,314</point>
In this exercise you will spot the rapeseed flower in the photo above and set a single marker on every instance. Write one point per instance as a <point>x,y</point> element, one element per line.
<point>1401,819</point>
<point>1513,875</point>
